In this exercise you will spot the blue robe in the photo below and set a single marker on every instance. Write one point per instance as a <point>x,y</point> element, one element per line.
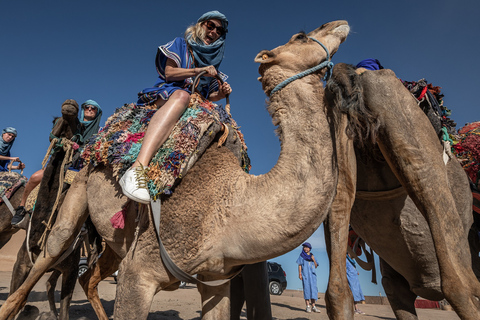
<point>353,282</point>
<point>176,50</point>
<point>309,280</point>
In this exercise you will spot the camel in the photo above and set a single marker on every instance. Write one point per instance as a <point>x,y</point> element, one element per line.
<point>409,201</point>
<point>65,127</point>
<point>6,229</point>
<point>219,217</point>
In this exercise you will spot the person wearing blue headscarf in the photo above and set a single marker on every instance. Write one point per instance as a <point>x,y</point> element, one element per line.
<point>178,63</point>
<point>90,116</point>
<point>369,64</point>
<point>6,142</point>
<point>306,272</point>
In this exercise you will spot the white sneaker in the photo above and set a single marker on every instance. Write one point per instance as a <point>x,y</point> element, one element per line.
<point>134,184</point>
<point>314,309</point>
<point>308,309</point>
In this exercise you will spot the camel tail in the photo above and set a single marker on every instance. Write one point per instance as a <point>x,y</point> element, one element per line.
<point>344,94</point>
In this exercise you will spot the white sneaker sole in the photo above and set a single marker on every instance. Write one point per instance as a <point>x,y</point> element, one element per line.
<point>131,196</point>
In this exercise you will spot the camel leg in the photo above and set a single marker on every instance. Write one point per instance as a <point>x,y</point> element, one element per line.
<point>412,150</point>
<point>338,297</point>
<point>135,290</point>
<point>397,289</point>
<point>106,265</point>
<point>251,287</point>
<point>5,237</point>
<point>51,284</point>
<point>215,300</point>
<point>69,279</point>
<point>21,268</point>
<point>71,216</point>
<point>237,296</point>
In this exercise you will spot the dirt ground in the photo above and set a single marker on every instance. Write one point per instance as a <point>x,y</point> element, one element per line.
<point>177,305</point>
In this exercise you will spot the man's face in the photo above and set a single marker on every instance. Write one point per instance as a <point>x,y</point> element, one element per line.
<point>8,137</point>
<point>89,112</point>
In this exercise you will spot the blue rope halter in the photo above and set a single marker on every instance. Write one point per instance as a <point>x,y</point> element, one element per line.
<point>327,63</point>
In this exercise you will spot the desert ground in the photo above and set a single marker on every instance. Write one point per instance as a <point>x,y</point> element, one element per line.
<point>177,305</point>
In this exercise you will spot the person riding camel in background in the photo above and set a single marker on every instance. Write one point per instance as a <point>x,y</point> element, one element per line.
<point>177,63</point>
<point>8,138</point>
<point>90,116</point>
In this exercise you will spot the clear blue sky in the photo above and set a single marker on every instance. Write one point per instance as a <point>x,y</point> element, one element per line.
<point>104,50</point>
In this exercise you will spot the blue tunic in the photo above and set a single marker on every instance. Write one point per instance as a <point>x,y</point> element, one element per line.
<point>4,163</point>
<point>176,50</point>
<point>353,282</point>
<point>309,279</point>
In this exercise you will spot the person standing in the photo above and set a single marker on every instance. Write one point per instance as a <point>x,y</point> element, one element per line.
<point>354,284</point>
<point>306,272</point>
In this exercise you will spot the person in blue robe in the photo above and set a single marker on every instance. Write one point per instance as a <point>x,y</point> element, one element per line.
<point>178,63</point>
<point>354,283</point>
<point>306,272</point>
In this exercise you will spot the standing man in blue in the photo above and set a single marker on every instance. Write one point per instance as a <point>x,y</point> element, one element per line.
<point>306,272</point>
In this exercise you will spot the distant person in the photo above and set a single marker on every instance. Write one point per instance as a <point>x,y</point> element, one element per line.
<point>8,138</point>
<point>306,272</point>
<point>90,116</point>
<point>368,64</point>
<point>178,62</point>
<point>354,284</point>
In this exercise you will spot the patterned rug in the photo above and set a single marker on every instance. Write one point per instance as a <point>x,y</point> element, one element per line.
<point>119,142</point>
<point>10,182</point>
<point>467,150</point>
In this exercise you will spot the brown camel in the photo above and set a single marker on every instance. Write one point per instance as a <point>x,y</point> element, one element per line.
<point>411,205</point>
<point>6,229</point>
<point>65,127</point>
<point>219,218</point>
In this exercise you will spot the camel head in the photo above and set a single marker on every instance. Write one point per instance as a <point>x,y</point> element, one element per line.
<point>69,109</point>
<point>67,125</point>
<point>300,53</point>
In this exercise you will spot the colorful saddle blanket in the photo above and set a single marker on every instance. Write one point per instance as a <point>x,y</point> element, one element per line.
<point>10,182</point>
<point>119,142</point>
<point>467,150</point>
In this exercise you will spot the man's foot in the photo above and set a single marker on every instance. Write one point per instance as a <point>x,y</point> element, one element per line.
<point>314,309</point>
<point>308,309</point>
<point>358,311</point>
<point>19,215</point>
<point>134,184</point>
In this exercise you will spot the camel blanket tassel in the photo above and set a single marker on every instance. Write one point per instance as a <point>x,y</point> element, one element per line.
<point>69,147</point>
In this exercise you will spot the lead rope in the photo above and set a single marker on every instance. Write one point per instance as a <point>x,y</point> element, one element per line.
<point>68,147</point>
<point>327,63</point>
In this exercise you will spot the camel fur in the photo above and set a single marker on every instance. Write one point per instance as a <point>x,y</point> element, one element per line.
<point>219,217</point>
<point>409,206</point>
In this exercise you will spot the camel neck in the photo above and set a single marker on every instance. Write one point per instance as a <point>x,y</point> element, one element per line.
<point>294,197</point>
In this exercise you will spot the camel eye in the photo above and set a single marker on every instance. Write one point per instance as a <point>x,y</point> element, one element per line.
<point>301,37</point>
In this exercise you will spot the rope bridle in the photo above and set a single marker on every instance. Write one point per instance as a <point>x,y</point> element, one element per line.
<point>325,64</point>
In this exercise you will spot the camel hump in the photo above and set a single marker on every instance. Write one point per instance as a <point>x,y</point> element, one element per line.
<point>344,93</point>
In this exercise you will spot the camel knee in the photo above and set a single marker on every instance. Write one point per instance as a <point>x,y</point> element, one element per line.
<point>59,240</point>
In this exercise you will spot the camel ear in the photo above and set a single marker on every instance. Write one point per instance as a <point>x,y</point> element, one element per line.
<point>265,56</point>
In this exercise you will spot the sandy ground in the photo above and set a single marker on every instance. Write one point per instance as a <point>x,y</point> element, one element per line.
<point>179,304</point>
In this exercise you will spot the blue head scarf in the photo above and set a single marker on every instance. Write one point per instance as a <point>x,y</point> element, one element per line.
<point>209,55</point>
<point>304,255</point>
<point>6,146</point>
<point>370,64</point>
<point>92,126</point>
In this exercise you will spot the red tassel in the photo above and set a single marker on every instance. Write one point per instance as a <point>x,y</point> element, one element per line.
<point>118,219</point>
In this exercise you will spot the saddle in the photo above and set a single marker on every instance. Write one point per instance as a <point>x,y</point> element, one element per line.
<point>9,183</point>
<point>118,143</point>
